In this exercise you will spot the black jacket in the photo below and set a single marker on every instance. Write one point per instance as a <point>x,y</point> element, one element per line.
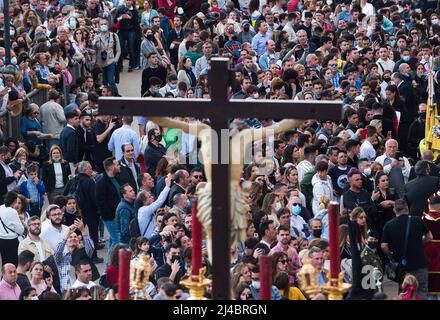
<point>107,197</point>
<point>48,174</point>
<point>418,191</point>
<point>85,146</point>
<point>87,190</point>
<point>175,189</point>
<point>4,183</point>
<point>152,155</point>
<point>69,144</point>
<point>362,199</point>
<point>126,175</point>
<point>387,125</point>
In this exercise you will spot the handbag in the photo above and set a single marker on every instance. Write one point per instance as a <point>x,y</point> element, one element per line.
<point>395,269</point>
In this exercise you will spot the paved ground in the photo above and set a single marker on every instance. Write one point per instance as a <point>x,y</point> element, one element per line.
<point>129,86</point>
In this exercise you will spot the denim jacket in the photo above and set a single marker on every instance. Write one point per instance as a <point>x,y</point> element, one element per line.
<point>124,214</point>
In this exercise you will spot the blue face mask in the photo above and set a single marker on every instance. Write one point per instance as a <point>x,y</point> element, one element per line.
<point>405,58</point>
<point>72,24</point>
<point>56,159</point>
<point>188,203</point>
<point>343,9</point>
<point>173,86</point>
<point>296,210</point>
<point>392,42</point>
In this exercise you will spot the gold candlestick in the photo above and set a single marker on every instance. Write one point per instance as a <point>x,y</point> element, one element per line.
<point>196,284</point>
<point>308,278</point>
<point>141,274</point>
<point>335,288</point>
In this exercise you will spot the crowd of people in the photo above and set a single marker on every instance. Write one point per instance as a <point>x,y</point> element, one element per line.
<point>75,171</point>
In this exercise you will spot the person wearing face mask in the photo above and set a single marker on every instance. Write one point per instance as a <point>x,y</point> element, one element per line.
<point>370,256</point>
<point>108,51</point>
<point>255,286</point>
<point>148,46</point>
<point>170,86</point>
<point>315,229</point>
<point>55,173</point>
<point>297,222</point>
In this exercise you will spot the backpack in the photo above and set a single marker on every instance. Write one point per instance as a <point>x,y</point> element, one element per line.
<point>133,227</point>
<point>73,189</point>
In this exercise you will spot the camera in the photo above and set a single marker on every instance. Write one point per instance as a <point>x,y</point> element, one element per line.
<point>104,55</point>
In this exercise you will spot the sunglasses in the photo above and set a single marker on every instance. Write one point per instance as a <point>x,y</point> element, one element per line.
<point>333,65</point>
<point>283,261</point>
<point>198,177</point>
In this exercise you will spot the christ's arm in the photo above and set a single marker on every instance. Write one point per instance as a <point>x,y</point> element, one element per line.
<point>176,124</point>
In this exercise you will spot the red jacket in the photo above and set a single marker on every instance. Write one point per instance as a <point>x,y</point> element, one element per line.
<point>111,275</point>
<point>168,8</point>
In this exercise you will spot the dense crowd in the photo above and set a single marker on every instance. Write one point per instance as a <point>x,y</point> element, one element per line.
<point>75,171</point>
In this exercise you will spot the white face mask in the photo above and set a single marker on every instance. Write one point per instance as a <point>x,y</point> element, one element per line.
<point>367,171</point>
<point>277,206</point>
<point>434,21</point>
<point>14,60</point>
<point>256,95</point>
<point>329,2</point>
<point>256,284</point>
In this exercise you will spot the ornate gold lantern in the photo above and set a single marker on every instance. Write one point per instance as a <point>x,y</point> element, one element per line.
<point>308,278</point>
<point>141,274</point>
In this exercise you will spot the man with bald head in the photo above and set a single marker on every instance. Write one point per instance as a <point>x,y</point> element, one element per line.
<point>395,165</point>
<point>9,289</point>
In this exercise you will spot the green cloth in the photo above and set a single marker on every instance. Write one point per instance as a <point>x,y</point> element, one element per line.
<point>172,137</point>
<point>116,184</point>
<point>193,55</point>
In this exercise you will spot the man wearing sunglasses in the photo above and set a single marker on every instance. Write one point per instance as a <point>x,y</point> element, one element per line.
<point>196,176</point>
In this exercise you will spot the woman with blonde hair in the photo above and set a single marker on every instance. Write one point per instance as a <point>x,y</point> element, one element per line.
<point>20,161</point>
<point>410,285</point>
<point>55,173</point>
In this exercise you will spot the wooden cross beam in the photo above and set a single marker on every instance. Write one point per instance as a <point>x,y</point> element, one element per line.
<point>220,110</point>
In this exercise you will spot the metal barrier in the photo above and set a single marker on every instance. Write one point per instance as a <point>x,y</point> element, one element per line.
<point>39,97</point>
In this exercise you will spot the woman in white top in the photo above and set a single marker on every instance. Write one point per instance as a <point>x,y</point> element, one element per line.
<point>37,280</point>
<point>185,73</point>
<point>55,173</point>
<point>148,15</point>
<point>10,228</point>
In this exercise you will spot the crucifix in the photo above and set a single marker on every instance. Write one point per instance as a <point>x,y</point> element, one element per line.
<point>220,110</point>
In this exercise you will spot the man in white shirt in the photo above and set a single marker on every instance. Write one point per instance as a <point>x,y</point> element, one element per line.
<point>384,63</point>
<point>83,271</point>
<point>39,247</point>
<point>396,166</point>
<point>53,231</point>
<point>123,135</point>
<point>307,164</point>
<point>367,148</point>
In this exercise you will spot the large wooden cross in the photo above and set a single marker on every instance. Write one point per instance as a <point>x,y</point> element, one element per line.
<point>220,110</point>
